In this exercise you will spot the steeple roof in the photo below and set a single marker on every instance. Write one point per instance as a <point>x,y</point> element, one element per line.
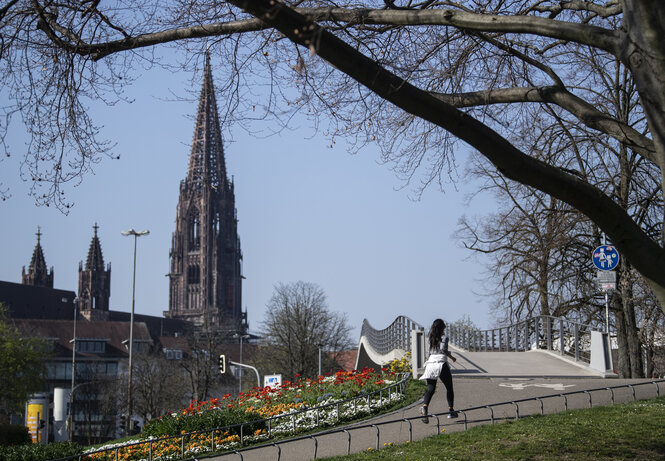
<point>95,259</point>
<point>38,274</point>
<point>206,160</point>
<point>38,263</point>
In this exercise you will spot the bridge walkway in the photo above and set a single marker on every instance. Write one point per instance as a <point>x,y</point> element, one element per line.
<point>535,363</point>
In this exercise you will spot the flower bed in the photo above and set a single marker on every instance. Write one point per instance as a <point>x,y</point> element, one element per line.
<point>227,423</point>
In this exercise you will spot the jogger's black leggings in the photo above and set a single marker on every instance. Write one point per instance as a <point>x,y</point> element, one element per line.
<point>447,379</point>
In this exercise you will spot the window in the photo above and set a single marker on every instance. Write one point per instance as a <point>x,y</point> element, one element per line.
<point>194,232</point>
<point>59,370</point>
<point>203,353</point>
<point>94,346</point>
<point>140,345</point>
<point>173,354</point>
<point>193,274</point>
<point>93,370</point>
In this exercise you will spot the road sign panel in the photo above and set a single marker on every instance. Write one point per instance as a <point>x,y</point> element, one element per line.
<point>608,286</point>
<point>605,257</point>
<point>606,276</point>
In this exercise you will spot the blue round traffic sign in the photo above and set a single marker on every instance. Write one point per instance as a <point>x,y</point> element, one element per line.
<point>605,257</point>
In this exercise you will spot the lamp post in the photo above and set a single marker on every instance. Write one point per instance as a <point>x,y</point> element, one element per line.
<point>240,374</point>
<point>131,329</point>
<point>71,392</point>
<point>320,346</point>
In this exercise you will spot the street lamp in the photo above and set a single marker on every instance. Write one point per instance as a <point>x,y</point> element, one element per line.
<point>71,407</point>
<point>240,374</point>
<point>320,346</point>
<point>131,328</point>
<point>71,392</point>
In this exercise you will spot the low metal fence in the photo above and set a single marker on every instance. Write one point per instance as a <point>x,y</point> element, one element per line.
<point>568,337</point>
<point>376,426</point>
<point>279,424</point>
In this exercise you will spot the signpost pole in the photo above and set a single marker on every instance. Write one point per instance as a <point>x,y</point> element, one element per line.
<point>607,306</point>
<point>606,258</point>
<point>607,314</point>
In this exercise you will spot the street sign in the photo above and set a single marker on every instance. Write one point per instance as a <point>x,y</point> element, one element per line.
<point>274,381</point>
<point>605,257</point>
<point>608,286</point>
<point>606,279</point>
<point>606,276</point>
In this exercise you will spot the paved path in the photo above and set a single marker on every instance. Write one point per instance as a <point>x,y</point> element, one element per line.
<point>518,364</point>
<point>504,377</point>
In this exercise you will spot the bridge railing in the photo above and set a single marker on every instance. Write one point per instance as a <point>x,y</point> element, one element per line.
<point>568,337</point>
<point>396,336</point>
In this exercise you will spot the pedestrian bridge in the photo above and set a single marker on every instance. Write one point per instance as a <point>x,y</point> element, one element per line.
<point>542,346</point>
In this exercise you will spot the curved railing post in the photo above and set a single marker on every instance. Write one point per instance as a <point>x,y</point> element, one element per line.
<point>410,430</point>
<point>561,336</point>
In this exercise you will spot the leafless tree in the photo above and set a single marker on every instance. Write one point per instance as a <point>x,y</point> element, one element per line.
<point>536,251</point>
<point>200,366</point>
<point>414,77</point>
<point>159,385</point>
<point>537,244</point>
<point>297,324</point>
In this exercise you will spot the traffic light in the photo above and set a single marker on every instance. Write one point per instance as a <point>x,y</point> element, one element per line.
<point>222,364</point>
<point>42,424</point>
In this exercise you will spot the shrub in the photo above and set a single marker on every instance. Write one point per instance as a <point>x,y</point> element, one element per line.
<point>36,452</point>
<point>14,434</point>
<point>402,365</point>
<point>205,419</point>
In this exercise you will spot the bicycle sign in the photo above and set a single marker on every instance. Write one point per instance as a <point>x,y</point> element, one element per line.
<point>605,257</point>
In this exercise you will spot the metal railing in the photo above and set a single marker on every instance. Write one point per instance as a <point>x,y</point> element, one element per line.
<point>568,337</point>
<point>278,424</point>
<point>396,336</point>
<point>376,426</point>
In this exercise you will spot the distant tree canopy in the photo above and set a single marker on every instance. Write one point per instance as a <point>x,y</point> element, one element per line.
<point>414,77</point>
<point>22,366</point>
<point>297,323</point>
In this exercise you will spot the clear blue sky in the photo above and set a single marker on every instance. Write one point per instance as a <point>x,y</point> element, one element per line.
<point>306,212</point>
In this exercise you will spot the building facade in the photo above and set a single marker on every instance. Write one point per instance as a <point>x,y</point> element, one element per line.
<point>205,277</point>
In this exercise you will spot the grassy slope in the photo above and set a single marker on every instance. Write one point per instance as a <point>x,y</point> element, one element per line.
<point>621,432</point>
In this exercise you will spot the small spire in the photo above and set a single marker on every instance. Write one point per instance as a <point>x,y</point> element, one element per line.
<point>38,273</point>
<point>95,260</point>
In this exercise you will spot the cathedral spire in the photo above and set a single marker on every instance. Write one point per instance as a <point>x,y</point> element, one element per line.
<point>205,280</point>
<point>206,159</point>
<point>38,273</point>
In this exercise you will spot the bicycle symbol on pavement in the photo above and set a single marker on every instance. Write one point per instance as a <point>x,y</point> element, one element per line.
<point>522,386</point>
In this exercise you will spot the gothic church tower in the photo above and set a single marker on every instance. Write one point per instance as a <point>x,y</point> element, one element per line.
<point>205,277</point>
<point>37,275</point>
<point>94,283</point>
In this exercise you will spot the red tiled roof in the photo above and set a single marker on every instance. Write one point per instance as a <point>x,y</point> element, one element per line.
<point>347,359</point>
<point>62,331</point>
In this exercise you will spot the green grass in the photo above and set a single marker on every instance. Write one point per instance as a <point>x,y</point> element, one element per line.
<point>634,431</point>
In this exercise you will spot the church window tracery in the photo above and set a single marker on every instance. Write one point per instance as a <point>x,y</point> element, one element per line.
<point>194,232</point>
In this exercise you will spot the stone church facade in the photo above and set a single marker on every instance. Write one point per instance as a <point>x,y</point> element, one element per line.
<point>205,277</point>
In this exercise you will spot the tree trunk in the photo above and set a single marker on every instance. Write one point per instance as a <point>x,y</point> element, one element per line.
<point>632,332</point>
